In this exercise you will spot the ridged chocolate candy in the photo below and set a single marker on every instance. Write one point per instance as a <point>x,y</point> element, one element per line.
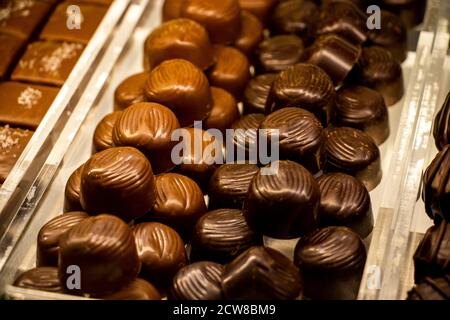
<point>229,185</point>
<point>183,88</point>
<point>441,127</point>
<point>261,274</point>
<point>224,110</point>
<point>41,278</point>
<point>148,127</point>
<point>161,251</point>
<point>130,91</point>
<point>245,136</point>
<point>283,205</point>
<point>252,33</point>
<point>431,289</point>
<point>50,234</point>
<point>103,132</point>
<point>221,18</point>
<point>300,136</point>
<point>305,86</point>
<point>222,234</point>
<point>344,201</point>
<point>103,248</point>
<point>260,8</point>
<point>332,262</point>
<point>256,93</point>
<point>436,187</point>
<point>178,39</point>
<point>353,152</point>
<point>72,191</point>
<point>364,109</point>
<point>231,71</point>
<point>119,181</point>
<point>138,289</point>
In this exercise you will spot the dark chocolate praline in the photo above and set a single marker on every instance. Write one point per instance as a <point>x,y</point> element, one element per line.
<point>261,273</point>
<point>245,137</point>
<point>256,93</point>
<point>72,191</point>
<point>431,289</point>
<point>411,12</point>
<point>332,262</point>
<point>441,126</point>
<point>138,289</point>
<point>41,278</point>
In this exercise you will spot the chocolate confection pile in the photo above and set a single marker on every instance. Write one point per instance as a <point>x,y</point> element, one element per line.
<point>137,224</point>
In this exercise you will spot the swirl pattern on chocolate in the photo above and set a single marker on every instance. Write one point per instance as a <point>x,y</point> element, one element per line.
<point>103,132</point>
<point>41,278</point>
<point>72,191</point>
<point>245,134</point>
<point>431,289</point>
<point>441,127</point>
<point>279,53</point>
<point>252,33</point>
<point>256,93</point>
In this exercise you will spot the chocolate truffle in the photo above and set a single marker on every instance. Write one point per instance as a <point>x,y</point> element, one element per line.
<point>130,91</point>
<point>252,33</point>
<point>72,191</point>
<point>256,93</point>
<point>224,110</point>
<point>178,39</point>
<point>119,181</point>
<point>221,235</point>
<point>364,109</point>
<point>332,262</point>
<point>47,62</point>
<point>104,249</point>
<point>9,53</point>
<point>245,137</point>
<point>12,143</point>
<point>171,9</point>
<point>183,88</point>
<point>148,127</point>
<point>344,201</point>
<point>138,289</point>
<point>377,69</point>
<point>391,36</point>
<point>300,136</point>
<point>334,55</point>
<point>353,152</point>
<point>50,234</point>
<point>229,185</point>
<point>103,134</point>
<point>260,8</point>
<point>231,71</point>
<point>411,12</point>
<point>278,53</point>
<point>431,289</point>
<point>56,27</point>
<point>441,127</point>
<point>436,187</point>
<point>283,205</point>
<point>198,281</point>
<point>161,251</point>
<point>261,274</point>
<point>432,256</point>
<point>24,105</point>
<point>221,18</point>
<point>42,278</point>
<point>306,86</point>
<point>179,202</point>
<point>295,17</point>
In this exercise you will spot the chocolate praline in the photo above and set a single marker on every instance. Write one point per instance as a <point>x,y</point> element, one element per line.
<point>198,281</point>
<point>130,91</point>
<point>183,88</point>
<point>353,152</point>
<point>119,181</point>
<point>364,109</point>
<point>283,205</point>
<point>104,131</point>
<point>306,86</point>
<point>224,110</point>
<point>252,33</point>
<point>441,126</point>
<point>431,289</point>
<point>104,249</point>
<point>72,191</point>
<point>411,12</point>
<point>178,39</point>
<point>256,93</point>
<point>261,274</point>
<point>229,185</point>
<point>50,234</point>
<point>345,201</point>
<point>222,234</point>
<point>436,187</point>
<point>260,8</point>
<point>332,262</point>
<point>41,278</point>
<point>138,289</point>
<point>171,9</point>
<point>245,137</point>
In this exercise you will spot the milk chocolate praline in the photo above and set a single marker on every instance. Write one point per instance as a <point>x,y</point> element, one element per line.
<point>41,278</point>
<point>130,91</point>
<point>252,33</point>
<point>138,289</point>
<point>171,9</point>
<point>256,93</point>
<point>260,8</point>
<point>224,110</point>
<point>72,191</point>
<point>441,126</point>
<point>104,131</point>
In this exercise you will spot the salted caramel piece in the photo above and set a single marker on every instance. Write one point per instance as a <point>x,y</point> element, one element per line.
<point>130,91</point>
<point>9,52</point>
<point>24,105</point>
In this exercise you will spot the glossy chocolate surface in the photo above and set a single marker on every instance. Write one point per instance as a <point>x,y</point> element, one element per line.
<point>50,234</point>
<point>161,251</point>
<point>261,274</point>
<point>353,152</point>
<point>198,281</point>
<point>72,191</point>
<point>364,109</point>
<point>252,33</point>
<point>224,110</point>
<point>245,136</point>
<point>178,39</point>
<point>183,88</point>
<point>256,93</point>
<point>441,126</point>
<point>9,53</point>
<point>222,234</point>
<point>332,261</point>
<point>306,86</point>
<point>104,249</point>
<point>148,127</point>
<point>171,9</point>
<point>411,12</point>
<point>138,289</point>
<point>345,201</point>
<point>103,134</point>
<point>300,136</point>
<point>130,91</point>
<point>119,181</point>
<point>431,289</point>
<point>283,205</point>
<point>43,278</point>
<point>260,8</point>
